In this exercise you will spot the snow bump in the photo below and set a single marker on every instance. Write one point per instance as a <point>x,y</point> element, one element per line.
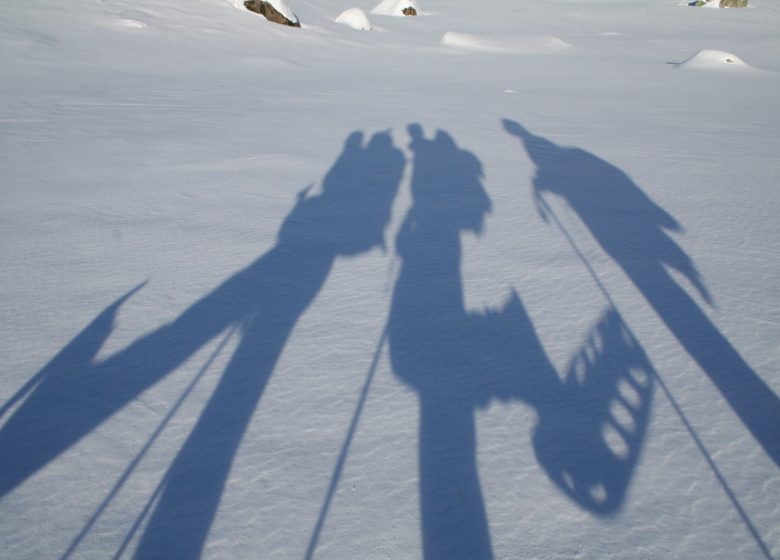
<point>355,18</point>
<point>714,60</point>
<point>543,44</point>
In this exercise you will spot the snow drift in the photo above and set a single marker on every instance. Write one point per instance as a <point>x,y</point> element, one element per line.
<point>513,45</point>
<point>354,18</point>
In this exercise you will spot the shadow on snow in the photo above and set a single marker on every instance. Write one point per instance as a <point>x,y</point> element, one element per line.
<point>458,361</point>
<point>632,230</point>
<point>592,417</point>
<point>73,394</point>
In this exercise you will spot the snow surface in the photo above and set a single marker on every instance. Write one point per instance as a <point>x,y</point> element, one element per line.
<point>310,293</point>
<point>515,45</point>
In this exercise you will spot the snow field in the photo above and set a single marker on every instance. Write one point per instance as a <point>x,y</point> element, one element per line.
<point>173,153</point>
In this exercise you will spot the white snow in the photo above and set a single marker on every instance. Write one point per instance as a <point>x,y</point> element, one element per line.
<point>354,18</point>
<point>709,59</point>
<point>453,290</point>
<point>132,23</point>
<point>393,7</point>
<point>516,45</point>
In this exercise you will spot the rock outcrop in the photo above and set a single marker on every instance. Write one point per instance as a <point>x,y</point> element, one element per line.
<point>269,12</point>
<point>396,8</point>
<point>721,3</point>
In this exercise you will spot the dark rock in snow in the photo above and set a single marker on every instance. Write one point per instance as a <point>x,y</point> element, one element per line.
<point>722,3</point>
<point>270,13</point>
<point>409,11</point>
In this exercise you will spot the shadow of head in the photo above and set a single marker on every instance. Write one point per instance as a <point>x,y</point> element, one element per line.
<point>447,182</point>
<point>350,214</point>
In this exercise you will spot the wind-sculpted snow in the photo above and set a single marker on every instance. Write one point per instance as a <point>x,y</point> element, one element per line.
<point>510,45</point>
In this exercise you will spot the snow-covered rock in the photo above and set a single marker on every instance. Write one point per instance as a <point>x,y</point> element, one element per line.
<point>720,3</point>
<point>396,8</point>
<point>354,18</point>
<point>273,10</point>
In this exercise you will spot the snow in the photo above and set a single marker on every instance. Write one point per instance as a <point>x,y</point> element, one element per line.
<point>354,18</point>
<point>515,45</point>
<point>453,290</point>
<point>709,59</point>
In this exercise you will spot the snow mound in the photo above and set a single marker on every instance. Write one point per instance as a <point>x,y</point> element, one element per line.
<point>714,60</point>
<point>394,7</point>
<point>355,18</point>
<point>543,44</point>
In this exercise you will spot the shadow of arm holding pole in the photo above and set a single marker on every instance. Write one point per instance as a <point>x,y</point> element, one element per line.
<point>75,394</point>
<point>632,230</point>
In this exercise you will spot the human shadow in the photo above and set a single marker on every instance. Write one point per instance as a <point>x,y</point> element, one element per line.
<point>458,360</point>
<point>633,231</point>
<point>74,394</point>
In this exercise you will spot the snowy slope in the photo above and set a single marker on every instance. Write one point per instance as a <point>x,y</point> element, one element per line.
<point>471,284</point>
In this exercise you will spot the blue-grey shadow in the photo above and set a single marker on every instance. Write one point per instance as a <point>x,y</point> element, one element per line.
<point>458,361</point>
<point>633,231</point>
<point>74,394</point>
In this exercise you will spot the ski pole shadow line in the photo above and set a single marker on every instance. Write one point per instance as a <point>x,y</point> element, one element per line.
<point>633,231</point>
<point>458,361</point>
<point>74,394</point>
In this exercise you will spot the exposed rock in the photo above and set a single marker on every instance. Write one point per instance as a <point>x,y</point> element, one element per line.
<point>269,12</point>
<point>720,3</point>
<point>396,8</point>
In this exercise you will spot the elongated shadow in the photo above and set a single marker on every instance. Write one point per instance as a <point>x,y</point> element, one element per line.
<point>75,394</point>
<point>432,345</point>
<point>459,360</point>
<point>633,230</point>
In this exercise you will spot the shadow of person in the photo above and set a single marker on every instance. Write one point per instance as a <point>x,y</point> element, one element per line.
<point>632,229</point>
<point>432,346</point>
<point>459,360</point>
<point>263,301</point>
